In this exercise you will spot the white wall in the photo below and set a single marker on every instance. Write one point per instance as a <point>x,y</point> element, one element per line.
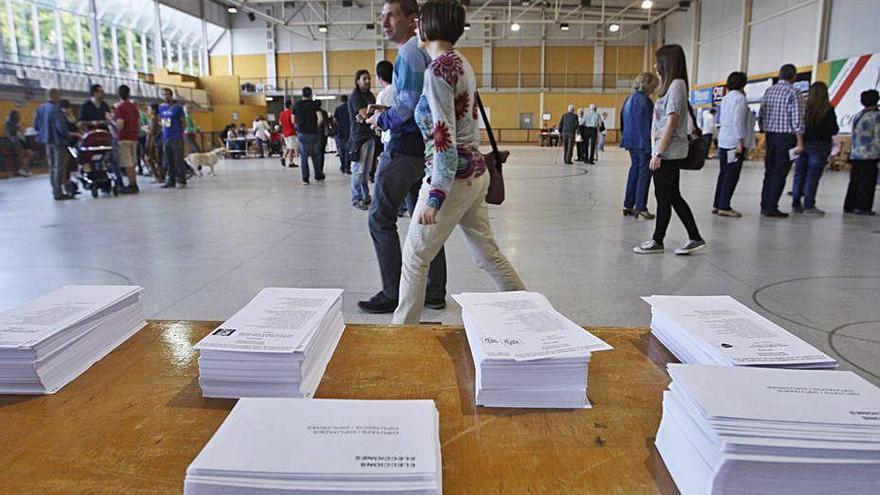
<point>720,31</point>
<point>781,39</point>
<point>679,29</point>
<point>855,28</point>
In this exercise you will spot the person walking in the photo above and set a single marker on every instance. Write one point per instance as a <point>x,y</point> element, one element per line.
<point>638,110</point>
<point>579,141</point>
<point>343,134</point>
<point>127,120</point>
<point>288,130</point>
<point>709,130</point>
<point>309,120</point>
<point>402,164</point>
<point>20,154</point>
<point>781,119</point>
<point>736,134</point>
<point>454,190</point>
<point>592,119</point>
<point>568,125</point>
<point>154,144</point>
<point>51,127</point>
<point>820,122</point>
<point>261,135</point>
<point>172,116</point>
<point>864,156</point>
<point>363,140</point>
<point>670,149</point>
<point>190,131</point>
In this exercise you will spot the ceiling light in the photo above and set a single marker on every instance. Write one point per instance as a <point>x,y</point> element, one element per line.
<point>614,28</point>
<point>269,98</point>
<point>231,9</point>
<point>647,4</point>
<point>467,26</point>
<point>514,26</point>
<point>322,28</point>
<point>325,97</point>
<point>564,26</point>
<point>526,3</point>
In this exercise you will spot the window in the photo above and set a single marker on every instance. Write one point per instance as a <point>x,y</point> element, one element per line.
<point>122,47</point>
<point>136,52</point>
<point>24,31</point>
<point>68,39</point>
<point>48,37</point>
<point>87,42</point>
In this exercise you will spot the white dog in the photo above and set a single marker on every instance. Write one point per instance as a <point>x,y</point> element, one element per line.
<point>209,159</point>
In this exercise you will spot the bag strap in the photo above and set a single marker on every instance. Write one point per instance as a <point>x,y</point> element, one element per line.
<point>492,142</point>
<point>694,119</point>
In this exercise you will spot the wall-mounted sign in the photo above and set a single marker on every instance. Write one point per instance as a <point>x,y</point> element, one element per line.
<point>848,78</point>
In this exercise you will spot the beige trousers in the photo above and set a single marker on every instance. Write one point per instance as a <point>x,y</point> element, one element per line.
<point>465,206</point>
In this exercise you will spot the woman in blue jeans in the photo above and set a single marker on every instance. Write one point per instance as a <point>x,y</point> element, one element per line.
<point>821,126</point>
<point>637,113</point>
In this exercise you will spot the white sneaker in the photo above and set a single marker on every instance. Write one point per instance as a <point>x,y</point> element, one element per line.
<point>648,247</point>
<point>691,246</point>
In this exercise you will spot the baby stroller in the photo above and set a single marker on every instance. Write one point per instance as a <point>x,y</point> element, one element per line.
<point>93,155</point>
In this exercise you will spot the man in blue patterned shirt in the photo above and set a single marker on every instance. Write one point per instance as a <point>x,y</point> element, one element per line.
<point>781,119</point>
<point>402,164</point>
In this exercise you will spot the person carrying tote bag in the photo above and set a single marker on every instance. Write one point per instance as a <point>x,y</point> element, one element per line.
<point>671,151</point>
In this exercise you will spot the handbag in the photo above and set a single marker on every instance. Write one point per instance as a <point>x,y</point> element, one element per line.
<point>494,161</point>
<point>697,151</point>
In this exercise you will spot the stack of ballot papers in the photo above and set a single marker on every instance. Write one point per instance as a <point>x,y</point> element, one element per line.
<point>764,431</point>
<point>720,330</point>
<point>322,446</point>
<point>525,353</point>
<point>48,342</point>
<point>276,346</point>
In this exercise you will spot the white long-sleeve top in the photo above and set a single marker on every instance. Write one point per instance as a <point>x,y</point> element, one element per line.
<point>737,122</point>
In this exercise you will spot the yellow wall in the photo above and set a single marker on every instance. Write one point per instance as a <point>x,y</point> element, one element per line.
<point>506,107</point>
<point>218,64</point>
<point>475,57</point>
<point>623,59</point>
<point>249,66</point>
<point>222,89</point>
<point>346,63</point>
<point>25,109</point>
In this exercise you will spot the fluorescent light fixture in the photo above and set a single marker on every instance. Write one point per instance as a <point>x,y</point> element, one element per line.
<point>231,9</point>
<point>322,28</point>
<point>614,28</point>
<point>467,26</point>
<point>564,26</point>
<point>269,98</point>
<point>514,26</point>
<point>325,97</point>
<point>647,4</point>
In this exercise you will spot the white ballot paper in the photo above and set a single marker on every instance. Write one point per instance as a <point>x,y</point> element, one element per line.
<point>731,156</point>
<point>524,325</point>
<point>525,353</point>
<point>793,154</point>
<point>48,342</point>
<point>720,330</point>
<point>739,430</point>
<point>277,320</point>
<point>276,346</point>
<point>299,446</point>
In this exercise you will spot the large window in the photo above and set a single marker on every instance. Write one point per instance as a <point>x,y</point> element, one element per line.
<point>106,46</point>
<point>48,40</point>
<point>24,31</point>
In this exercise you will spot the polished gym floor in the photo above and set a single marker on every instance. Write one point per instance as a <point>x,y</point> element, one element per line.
<point>204,252</point>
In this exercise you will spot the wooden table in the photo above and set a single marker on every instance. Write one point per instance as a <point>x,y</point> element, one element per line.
<point>133,422</point>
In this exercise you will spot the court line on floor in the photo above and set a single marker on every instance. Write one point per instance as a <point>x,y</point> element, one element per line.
<point>833,333</point>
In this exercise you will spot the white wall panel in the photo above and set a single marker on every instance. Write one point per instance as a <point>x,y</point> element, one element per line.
<point>718,58</point>
<point>854,28</point>
<point>780,39</point>
<point>679,30</point>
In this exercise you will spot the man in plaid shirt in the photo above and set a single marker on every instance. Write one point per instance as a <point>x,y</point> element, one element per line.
<point>781,119</point>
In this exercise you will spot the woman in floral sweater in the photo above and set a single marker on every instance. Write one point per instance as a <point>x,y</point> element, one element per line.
<point>453,192</point>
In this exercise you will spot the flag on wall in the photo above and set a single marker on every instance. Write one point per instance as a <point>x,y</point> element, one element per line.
<point>847,79</point>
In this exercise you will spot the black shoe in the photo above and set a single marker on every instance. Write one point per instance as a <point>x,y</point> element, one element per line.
<point>378,304</point>
<point>63,197</point>
<point>319,179</point>
<point>282,163</point>
<point>168,185</point>
<point>131,190</point>
<point>432,303</point>
<point>305,182</point>
<point>774,214</point>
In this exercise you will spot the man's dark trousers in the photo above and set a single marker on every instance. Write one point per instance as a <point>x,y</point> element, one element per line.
<point>776,167</point>
<point>398,179</point>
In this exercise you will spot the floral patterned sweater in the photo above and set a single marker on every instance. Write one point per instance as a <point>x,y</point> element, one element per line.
<point>447,116</point>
